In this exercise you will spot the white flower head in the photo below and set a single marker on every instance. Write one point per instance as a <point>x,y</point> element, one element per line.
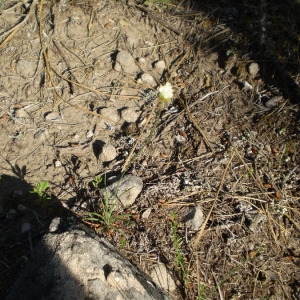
<point>165,92</point>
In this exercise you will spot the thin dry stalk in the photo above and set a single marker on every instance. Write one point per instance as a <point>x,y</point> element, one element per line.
<point>129,158</point>
<point>193,121</point>
<point>260,186</point>
<point>200,234</point>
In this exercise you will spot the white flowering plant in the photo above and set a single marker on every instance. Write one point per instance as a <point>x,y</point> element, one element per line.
<point>165,93</point>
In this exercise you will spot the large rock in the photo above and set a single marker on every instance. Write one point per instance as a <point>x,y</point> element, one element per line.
<point>78,264</point>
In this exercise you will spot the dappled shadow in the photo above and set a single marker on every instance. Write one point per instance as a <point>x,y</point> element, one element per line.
<point>266,32</point>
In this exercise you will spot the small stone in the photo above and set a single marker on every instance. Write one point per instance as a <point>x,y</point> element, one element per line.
<point>162,278</point>
<point>144,163</point>
<point>124,190</point>
<point>174,74</point>
<point>148,79</point>
<point>25,227</point>
<point>109,153</point>
<point>110,113</point>
<point>52,116</point>
<point>42,135</point>
<point>11,214</point>
<point>247,86</point>
<point>21,113</point>
<point>129,115</point>
<point>54,225</point>
<point>253,69</point>
<point>194,218</point>
<point>89,134</point>
<point>160,66</point>
<point>272,275</point>
<point>272,102</point>
<point>180,139</point>
<point>126,62</point>
<point>268,148</point>
<point>146,213</point>
<point>57,164</point>
<point>26,68</point>
<point>142,60</point>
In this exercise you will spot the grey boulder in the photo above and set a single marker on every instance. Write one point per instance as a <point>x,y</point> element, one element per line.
<point>78,264</point>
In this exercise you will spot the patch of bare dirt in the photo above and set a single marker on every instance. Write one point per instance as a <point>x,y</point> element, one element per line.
<point>78,91</point>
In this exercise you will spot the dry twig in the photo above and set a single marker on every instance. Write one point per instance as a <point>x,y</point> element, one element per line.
<point>11,32</point>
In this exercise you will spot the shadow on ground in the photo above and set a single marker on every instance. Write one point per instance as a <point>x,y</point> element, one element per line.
<point>266,32</point>
<point>64,264</point>
<point>23,221</point>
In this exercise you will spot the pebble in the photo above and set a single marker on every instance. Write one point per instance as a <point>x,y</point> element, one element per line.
<point>11,214</point>
<point>125,190</point>
<point>110,113</point>
<point>25,227</point>
<point>126,63</point>
<point>272,102</point>
<point>57,164</point>
<point>52,116</point>
<point>160,66</point>
<point>268,148</point>
<point>89,134</point>
<point>146,213</point>
<point>42,135</point>
<point>129,115</point>
<point>21,113</point>
<point>194,218</point>
<point>180,139</point>
<point>25,68</point>
<point>109,153</point>
<point>142,60</point>
<point>253,69</point>
<point>54,225</point>
<point>148,79</point>
<point>272,275</point>
<point>22,208</point>
<point>118,67</point>
<point>174,74</point>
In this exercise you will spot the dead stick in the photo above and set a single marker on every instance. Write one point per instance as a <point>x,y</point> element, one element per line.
<point>158,19</point>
